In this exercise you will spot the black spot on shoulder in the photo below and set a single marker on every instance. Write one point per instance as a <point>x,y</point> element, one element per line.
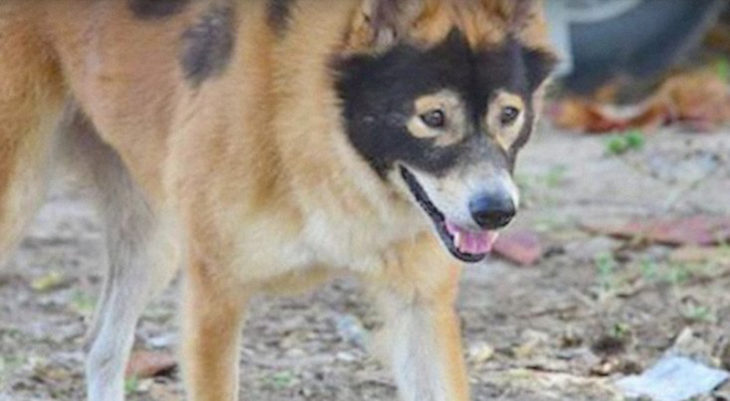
<point>152,9</point>
<point>208,45</point>
<point>279,12</point>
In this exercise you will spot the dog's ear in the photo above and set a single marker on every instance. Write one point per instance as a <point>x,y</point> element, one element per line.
<point>526,21</point>
<point>379,23</point>
<point>523,11</point>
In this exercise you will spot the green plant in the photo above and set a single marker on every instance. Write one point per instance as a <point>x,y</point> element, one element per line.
<point>606,265</point>
<point>649,269</point>
<point>82,303</point>
<point>615,145</point>
<point>722,67</point>
<point>635,140</point>
<point>555,176</point>
<point>678,274</point>
<point>281,380</point>
<point>628,141</point>
<point>620,331</point>
<point>700,314</point>
<point>131,385</point>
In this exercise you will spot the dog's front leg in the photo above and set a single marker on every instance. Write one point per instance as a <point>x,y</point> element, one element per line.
<point>421,338</point>
<point>212,323</point>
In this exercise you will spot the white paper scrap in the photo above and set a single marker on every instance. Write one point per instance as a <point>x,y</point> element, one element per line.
<point>673,378</point>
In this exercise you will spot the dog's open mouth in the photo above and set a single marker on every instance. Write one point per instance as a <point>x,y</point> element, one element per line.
<point>466,245</point>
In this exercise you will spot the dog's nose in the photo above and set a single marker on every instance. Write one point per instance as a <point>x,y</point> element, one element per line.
<point>492,211</point>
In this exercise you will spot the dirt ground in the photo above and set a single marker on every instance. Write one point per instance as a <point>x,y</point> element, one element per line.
<point>593,310</point>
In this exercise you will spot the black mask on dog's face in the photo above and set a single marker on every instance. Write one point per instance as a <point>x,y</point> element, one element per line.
<point>449,122</point>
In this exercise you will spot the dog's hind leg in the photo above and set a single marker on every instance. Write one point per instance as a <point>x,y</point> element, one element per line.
<point>421,340</point>
<point>143,257</point>
<point>31,96</point>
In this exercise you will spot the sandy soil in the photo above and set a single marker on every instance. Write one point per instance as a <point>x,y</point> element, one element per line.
<point>595,309</point>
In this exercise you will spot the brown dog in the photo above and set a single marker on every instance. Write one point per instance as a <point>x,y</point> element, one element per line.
<point>265,145</point>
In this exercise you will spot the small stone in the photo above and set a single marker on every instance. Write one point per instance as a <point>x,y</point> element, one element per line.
<point>532,341</point>
<point>607,367</point>
<point>571,338</point>
<point>723,393</point>
<point>725,357</point>
<point>352,331</point>
<point>295,353</point>
<point>163,341</point>
<point>480,353</point>
<point>144,386</point>
<point>346,357</point>
<point>688,345</point>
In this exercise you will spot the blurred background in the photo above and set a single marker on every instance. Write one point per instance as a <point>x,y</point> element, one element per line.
<point>613,284</point>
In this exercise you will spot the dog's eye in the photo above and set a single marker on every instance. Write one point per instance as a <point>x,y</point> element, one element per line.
<point>509,115</point>
<point>434,118</point>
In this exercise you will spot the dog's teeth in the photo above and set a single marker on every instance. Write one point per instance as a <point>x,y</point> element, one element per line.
<point>457,240</point>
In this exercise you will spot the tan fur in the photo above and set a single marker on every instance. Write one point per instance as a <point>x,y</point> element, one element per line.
<point>485,23</point>
<point>454,111</point>
<point>250,176</point>
<point>30,101</point>
<point>506,135</point>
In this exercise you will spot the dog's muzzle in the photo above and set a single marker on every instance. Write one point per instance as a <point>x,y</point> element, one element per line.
<point>467,245</point>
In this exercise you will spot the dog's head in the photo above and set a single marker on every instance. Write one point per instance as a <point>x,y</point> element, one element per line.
<point>439,96</point>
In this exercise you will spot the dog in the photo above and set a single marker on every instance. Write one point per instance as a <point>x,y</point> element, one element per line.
<point>264,146</point>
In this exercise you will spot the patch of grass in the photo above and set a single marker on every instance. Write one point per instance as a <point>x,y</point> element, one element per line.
<point>678,274</point>
<point>722,68</point>
<point>633,140</point>
<point>649,269</point>
<point>615,145</point>
<point>10,333</point>
<point>555,177</point>
<point>5,369</point>
<point>699,314</point>
<point>82,303</point>
<point>524,182</point>
<point>281,380</point>
<point>621,331</point>
<point>606,265</point>
<point>10,364</point>
<point>131,385</point>
<point>536,188</point>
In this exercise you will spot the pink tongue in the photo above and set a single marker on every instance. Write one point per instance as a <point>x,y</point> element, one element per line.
<point>474,243</point>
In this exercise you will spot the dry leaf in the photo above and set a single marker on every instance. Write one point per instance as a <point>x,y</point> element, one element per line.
<point>701,230</point>
<point>700,99</point>
<point>48,282</point>
<point>147,364</point>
